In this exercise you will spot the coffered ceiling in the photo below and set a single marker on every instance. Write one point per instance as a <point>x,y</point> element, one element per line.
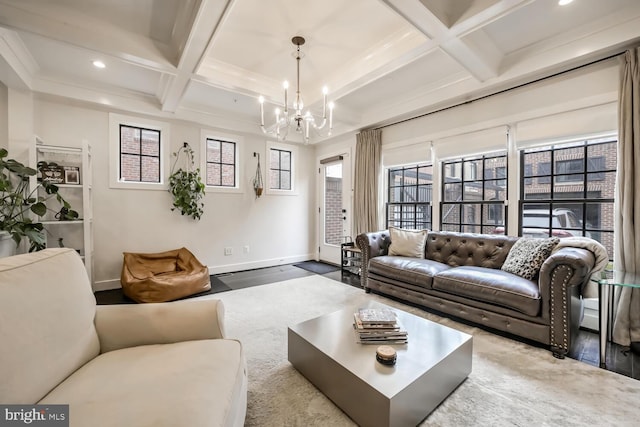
<point>207,61</point>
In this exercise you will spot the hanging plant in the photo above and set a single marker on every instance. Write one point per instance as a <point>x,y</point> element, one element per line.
<point>257,180</point>
<point>185,185</point>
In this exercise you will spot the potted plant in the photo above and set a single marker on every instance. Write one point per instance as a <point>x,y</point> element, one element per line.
<point>257,180</point>
<point>186,187</point>
<point>19,203</point>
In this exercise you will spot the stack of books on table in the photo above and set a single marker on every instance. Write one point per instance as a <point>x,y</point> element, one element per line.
<point>378,325</point>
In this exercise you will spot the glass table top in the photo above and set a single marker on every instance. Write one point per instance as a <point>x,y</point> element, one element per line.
<point>620,278</point>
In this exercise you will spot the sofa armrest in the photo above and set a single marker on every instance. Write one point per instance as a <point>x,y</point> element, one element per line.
<point>129,325</point>
<point>561,279</point>
<point>372,245</point>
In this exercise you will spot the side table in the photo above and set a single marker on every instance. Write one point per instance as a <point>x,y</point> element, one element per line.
<point>351,261</point>
<point>606,289</point>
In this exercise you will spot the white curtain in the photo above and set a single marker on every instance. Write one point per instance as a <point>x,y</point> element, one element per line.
<point>367,172</point>
<point>626,328</point>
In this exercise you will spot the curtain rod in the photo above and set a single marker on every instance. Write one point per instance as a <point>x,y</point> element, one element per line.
<point>504,90</point>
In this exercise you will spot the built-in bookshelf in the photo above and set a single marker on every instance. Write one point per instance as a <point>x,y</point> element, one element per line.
<point>72,174</point>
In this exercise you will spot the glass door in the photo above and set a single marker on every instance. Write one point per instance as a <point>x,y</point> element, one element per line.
<point>334,212</point>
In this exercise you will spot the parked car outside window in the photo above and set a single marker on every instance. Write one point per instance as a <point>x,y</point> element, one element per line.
<point>535,223</point>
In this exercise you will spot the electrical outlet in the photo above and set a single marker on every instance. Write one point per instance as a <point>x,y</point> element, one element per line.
<point>228,251</point>
<point>246,249</point>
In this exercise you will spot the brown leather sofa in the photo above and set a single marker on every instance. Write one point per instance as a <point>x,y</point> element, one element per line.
<point>461,275</point>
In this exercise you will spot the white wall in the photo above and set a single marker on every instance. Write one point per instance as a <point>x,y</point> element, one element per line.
<point>4,116</point>
<point>277,229</point>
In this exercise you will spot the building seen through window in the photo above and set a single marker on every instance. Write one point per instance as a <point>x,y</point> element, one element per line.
<point>568,190</point>
<point>279,169</point>
<point>474,190</point>
<point>409,197</point>
<point>139,154</point>
<point>221,163</point>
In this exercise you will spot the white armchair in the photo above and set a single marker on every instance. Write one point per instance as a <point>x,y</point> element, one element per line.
<point>165,364</point>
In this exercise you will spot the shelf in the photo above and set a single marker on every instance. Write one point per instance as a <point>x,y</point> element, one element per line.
<point>76,233</point>
<point>55,221</point>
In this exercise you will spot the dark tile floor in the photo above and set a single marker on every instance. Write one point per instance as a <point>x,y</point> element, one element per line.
<point>585,349</point>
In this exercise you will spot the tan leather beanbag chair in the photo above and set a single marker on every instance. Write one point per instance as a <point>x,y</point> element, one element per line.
<point>163,276</point>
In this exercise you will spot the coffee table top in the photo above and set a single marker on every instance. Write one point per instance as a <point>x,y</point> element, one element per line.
<point>429,343</point>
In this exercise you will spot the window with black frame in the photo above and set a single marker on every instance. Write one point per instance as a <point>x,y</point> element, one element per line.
<point>409,192</point>
<point>139,154</point>
<point>221,163</point>
<point>568,190</point>
<point>474,190</point>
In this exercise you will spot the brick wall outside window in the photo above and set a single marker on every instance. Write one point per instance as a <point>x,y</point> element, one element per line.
<point>221,163</point>
<point>139,154</point>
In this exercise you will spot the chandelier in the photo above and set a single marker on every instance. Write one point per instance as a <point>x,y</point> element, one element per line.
<point>294,117</point>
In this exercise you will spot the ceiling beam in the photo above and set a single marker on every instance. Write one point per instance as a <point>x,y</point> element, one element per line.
<point>17,66</point>
<point>474,52</point>
<point>210,15</point>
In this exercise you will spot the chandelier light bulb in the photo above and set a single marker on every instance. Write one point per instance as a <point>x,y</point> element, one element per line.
<point>261,99</point>
<point>325,90</point>
<point>285,85</point>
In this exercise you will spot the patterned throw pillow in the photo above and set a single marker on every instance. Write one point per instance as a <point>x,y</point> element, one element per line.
<point>409,243</point>
<point>527,256</point>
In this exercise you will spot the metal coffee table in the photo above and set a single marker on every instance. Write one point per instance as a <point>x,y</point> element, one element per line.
<point>434,362</point>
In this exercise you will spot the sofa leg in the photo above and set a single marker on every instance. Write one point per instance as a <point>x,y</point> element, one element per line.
<point>558,353</point>
<point>367,290</point>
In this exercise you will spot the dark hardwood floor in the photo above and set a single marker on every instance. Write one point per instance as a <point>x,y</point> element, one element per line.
<point>585,349</point>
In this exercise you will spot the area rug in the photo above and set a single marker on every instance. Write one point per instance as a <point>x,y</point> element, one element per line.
<point>511,383</point>
<point>317,267</point>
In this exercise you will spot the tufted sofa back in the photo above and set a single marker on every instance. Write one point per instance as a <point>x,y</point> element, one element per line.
<point>456,249</point>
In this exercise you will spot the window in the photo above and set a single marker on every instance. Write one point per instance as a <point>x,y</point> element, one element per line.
<point>138,152</point>
<point>473,193</point>
<point>279,169</point>
<point>409,191</point>
<point>582,205</point>
<point>220,163</point>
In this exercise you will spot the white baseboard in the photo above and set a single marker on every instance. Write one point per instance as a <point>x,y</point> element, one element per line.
<point>105,285</point>
<point>229,268</point>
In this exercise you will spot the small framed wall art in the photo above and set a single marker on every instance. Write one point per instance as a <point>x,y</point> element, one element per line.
<point>53,174</point>
<point>72,175</point>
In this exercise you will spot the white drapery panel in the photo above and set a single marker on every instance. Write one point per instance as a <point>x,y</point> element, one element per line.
<point>469,144</point>
<point>626,328</point>
<point>571,125</point>
<point>367,174</point>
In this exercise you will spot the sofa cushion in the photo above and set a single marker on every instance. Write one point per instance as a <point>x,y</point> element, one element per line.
<point>46,322</point>
<point>492,286</point>
<point>153,385</point>
<point>527,256</point>
<point>409,243</point>
<point>481,250</point>
<point>415,271</point>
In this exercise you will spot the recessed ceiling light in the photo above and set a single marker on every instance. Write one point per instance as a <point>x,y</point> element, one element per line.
<point>98,64</point>
<point>564,2</point>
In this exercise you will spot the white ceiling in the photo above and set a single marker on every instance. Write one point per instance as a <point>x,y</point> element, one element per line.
<point>207,61</point>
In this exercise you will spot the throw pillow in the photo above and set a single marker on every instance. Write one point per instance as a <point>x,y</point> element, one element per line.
<point>408,243</point>
<point>527,256</point>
